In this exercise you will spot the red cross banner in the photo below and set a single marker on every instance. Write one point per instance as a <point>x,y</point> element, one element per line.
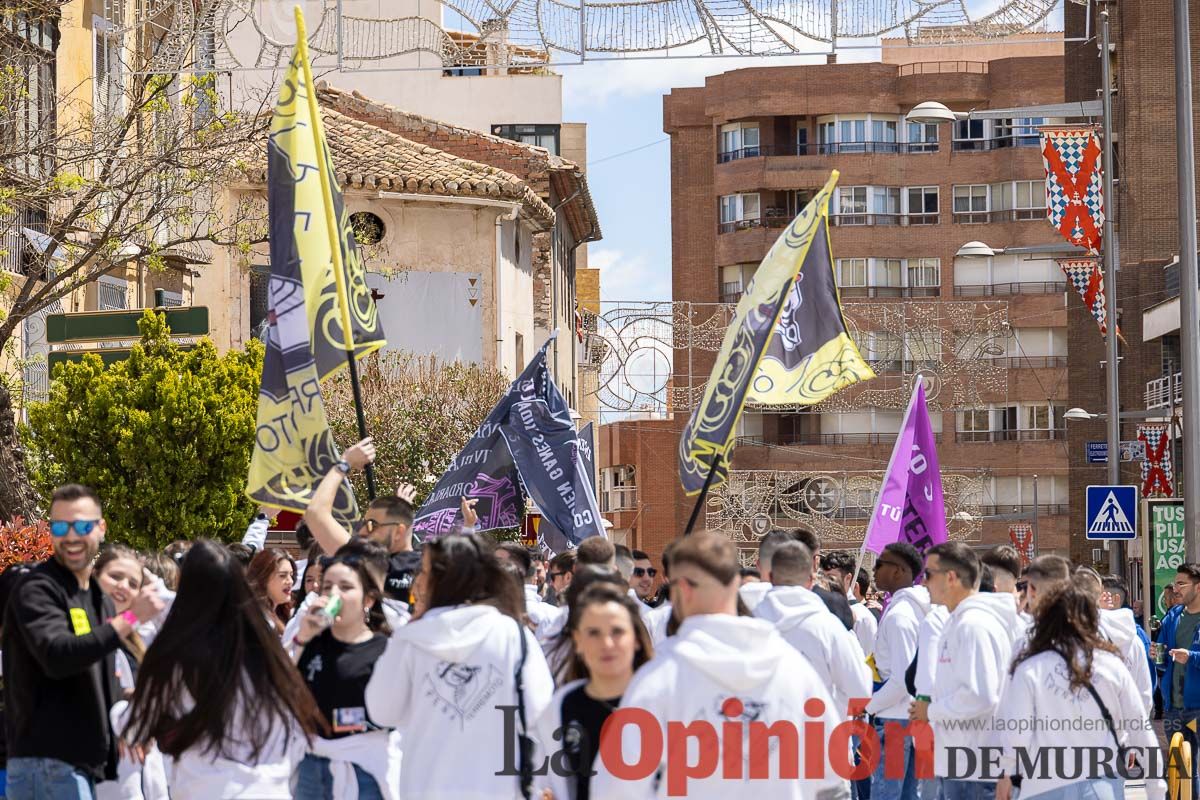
<point>1021,536</point>
<point>1088,279</point>
<point>1157,469</point>
<point>1074,176</point>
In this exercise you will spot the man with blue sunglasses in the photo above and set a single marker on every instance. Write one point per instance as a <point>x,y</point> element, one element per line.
<point>60,637</point>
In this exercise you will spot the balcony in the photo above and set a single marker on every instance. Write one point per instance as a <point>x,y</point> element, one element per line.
<point>890,291</point>
<point>1159,391</point>
<point>621,498</point>
<point>905,220</point>
<point>1005,215</point>
<point>802,438</point>
<point>748,224</point>
<point>1050,435</point>
<point>1008,289</point>
<point>1030,362</point>
<point>827,149</point>
<point>943,67</point>
<point>1024,509</point>
<point>996,143</point>
<point>731,292</point>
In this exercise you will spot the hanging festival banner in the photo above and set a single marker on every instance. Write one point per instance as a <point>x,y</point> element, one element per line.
<point>305,339</point>
<point>1021,536</point>
<point>787,344</point>
<point>1157,468</point>
<point>1088,279</point>
<point>910,507</point>
<point>1074,178</point>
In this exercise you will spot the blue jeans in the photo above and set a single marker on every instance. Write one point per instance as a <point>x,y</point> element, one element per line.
<point>314,781</point>
<point>1088,790</point>
<point>861,789</point>
<point>46,779</point>
<point>968,790</point>
<point>888,788</point>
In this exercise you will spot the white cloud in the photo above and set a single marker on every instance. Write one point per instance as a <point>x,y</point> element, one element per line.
<point>630,277</point>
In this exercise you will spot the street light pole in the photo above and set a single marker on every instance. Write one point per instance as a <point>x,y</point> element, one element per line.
<point>1116,563</point>
<point>1189,283</point>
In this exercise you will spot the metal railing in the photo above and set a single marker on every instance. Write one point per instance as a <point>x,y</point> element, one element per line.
<point>1159,391</point>
<point>1004,289</point>
<point>792,438</point>
<point>18,254</point>
<point>747,224</point>
<point>1043,509</point>
<point>890,291</point>
<point>941,67</point>
<point>742,152</point>
<point>855,218</point>
<point>1050,435</point>
<point>731,292</point>
<point>1004,215</point>
<point>995,143</point>
<point>622,498</point>
<point>826,149</point>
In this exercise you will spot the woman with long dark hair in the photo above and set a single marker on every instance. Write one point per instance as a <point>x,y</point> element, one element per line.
<point>271,574</point>
<point>444,675</point>
<point>1070,685</point>
<point>341,637</point>
<point>217,692</point>
<point>608,642</point>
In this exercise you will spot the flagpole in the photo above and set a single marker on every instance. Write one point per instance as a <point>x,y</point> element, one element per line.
<point>335,247</point>
<point>716,462</point>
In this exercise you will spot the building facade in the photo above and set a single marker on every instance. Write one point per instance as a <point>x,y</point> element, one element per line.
<point>989,335</point>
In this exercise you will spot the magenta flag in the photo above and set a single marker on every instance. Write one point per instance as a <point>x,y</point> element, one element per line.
<point>910,507</point>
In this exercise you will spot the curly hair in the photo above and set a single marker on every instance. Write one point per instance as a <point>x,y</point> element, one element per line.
<point>1068,623</point>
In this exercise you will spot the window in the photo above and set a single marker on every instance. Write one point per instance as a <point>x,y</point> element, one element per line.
<point>969,135</point>
<point>1024,199</point>
<point>734,281</point>
<point>889,272</point>
<point>852,205</point>
<point>801,198</point>
<point>974,425</point>
<point>852,272</point>
<point>922,205</point>
<point>886,205</point>
<point>546,136</point>
<point>922,349</point>
<point>883,134</point>
<point>738,140</point>
<point>827,136</point>
<point>29,40</point>
<point>971,203</point>
<point>924,272</point>
<point>922,137</point>
<point>802,141</point>
<point>852,136</point>
<point>886,349</point>
<point>109,81</point>
<point>111,293</point>
<point>738,211</point>
<point>1037,418</point>
<point>1019,132</point>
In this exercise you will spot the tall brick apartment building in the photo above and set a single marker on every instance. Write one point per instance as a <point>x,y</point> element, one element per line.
<point>1146,220</point>
<point>747,151</point>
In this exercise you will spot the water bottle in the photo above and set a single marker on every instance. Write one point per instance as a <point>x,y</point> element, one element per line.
<point>332,608</point>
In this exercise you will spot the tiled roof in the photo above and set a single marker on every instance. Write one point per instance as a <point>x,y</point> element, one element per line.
<point>537,166</point>
<point>369,157</point>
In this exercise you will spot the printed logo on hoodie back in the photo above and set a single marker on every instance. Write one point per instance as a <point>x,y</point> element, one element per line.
<point>462,690</point>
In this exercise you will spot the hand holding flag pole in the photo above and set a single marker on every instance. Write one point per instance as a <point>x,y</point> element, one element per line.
<point>331,225</point>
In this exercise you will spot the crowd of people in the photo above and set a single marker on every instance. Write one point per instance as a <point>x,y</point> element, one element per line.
<point>460,667</point>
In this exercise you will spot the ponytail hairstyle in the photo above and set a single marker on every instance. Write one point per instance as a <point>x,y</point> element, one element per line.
<point>217,647</point>
<point>133,643</point>
<point>1067,622</point>
<point>599,593</point>
<point>462,569</point>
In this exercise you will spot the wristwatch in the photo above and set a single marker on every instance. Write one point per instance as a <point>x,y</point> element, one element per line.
<point>344,466</point>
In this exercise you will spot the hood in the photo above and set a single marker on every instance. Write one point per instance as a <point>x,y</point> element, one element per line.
<point>789,606</point>
<point>914,597</point>
<point>738,653</point>
<point>1000,605</point>
<point>1118,626</point>
<point>753,593</point>
<point>452,634</point>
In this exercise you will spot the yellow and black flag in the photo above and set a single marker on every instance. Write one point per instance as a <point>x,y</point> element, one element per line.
<point>787,344</point>
<point>317,290</point>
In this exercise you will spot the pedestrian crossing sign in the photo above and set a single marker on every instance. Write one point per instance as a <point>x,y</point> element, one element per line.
<point>1112,512</point>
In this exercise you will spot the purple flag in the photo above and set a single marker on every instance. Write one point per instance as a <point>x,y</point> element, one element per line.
<point>910,507</point>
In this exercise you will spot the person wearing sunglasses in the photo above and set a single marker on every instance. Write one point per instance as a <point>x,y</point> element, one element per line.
<point>61,635</point>
<point>388,520</point>
<point>644,578</point>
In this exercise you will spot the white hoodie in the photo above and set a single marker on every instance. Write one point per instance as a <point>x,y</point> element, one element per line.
<point>806,624</point>
<point>753,593</point>
<point>895,644</point>
<point>929,638</point>
<point>865,625</point>
<point>1038,710</point>
<point>540,613</point>
<point>656,620</point>
<point>973,662</point>
<point>1119,627</point>
<point>720,663</point>
<point>439,683</point>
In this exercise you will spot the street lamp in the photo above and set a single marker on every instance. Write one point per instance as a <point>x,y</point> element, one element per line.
<point>976,250</point>
<point>933,113</point>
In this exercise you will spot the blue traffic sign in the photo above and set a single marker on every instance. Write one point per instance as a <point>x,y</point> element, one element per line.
<point>1112,512</point>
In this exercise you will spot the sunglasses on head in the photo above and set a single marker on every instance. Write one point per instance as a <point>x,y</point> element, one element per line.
<point>639,572</point>
<point>83,527</point>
